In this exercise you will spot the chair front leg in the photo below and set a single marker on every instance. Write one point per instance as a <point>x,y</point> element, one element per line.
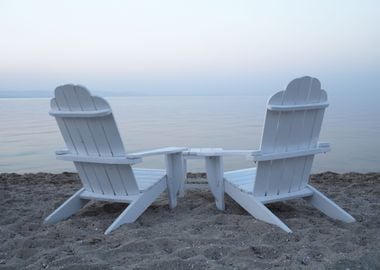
<point>181,188</point>
<point>214,170</point>
<point>175,176</point>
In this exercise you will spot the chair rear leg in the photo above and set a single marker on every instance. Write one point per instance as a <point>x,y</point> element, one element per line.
<point>328,207</point>
<point>261,212</point>
<point>254,207</point>
<point>138,206</point>
<point>68,208</point>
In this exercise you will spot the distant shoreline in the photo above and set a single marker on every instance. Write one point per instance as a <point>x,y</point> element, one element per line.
<point>49,94</point>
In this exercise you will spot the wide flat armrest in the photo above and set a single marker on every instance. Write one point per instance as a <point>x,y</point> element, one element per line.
<point>286,108</point>
<point>62,152</point>
<point>322,147</point>
<point>160,151</point>
<point>81,114</point>
<point>96,159</point>
<point>212,152</point>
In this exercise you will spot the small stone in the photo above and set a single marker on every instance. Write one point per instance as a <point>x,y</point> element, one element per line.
<point>305,260</point>
<point>94,241</point>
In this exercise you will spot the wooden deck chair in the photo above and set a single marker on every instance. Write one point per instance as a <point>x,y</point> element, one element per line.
<point>94,145</point>
<point>289,142</point>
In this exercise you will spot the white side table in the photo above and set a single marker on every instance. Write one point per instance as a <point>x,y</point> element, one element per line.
<point>214,170</point>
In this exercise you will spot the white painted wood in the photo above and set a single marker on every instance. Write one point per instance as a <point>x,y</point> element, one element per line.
<point>116,180</point>
<point>194,152</point>
<point>102,160</point>
<point>138,206</point>
<point>170,181</point>
<point>289,142</point>
<point>109,198</point>
<point>175,176</point>
<point>275,179</point>
<point>67,209</point>
<point>302,107</point>
<point>160,151</point>
<point>181,191</point>
<point>214,170</point>
<point>263,173</point>
<point>87,183</point>
<point>288,154</point>
<point>94,145</point>
<point>71,124</point>
<point>285,197</point>
<point>81,114</point>
<point>295,164</point>
<point>86,174</point>
<point>105,179</point>
<point>64,130</point>
<point>327,206</point>
<point>290,132</point>
<point>129,179</point>
<point>254,207</point>
<point>241,171</point>
<point>242,179</point>
<point>110,129</point>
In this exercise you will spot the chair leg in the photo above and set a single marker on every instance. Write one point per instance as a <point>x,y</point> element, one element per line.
<point>181,191</point>
<point>172,195</point>
<point>214,170</point>
<point>255,207</point>
<point>68,208</point>
<point>327,206</point>
<point>260,211</point>
<point>138,206</point>
<point>175,176</point>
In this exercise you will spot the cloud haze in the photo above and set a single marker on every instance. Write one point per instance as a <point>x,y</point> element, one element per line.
<point>186,45</point>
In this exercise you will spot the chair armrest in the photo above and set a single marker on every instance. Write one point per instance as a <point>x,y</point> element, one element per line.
<point>202,152</point>
<point>322,147</point>
<point>95,159</point>
<point>212,152</point>
<point>62,152</point>
<point>160,151</point>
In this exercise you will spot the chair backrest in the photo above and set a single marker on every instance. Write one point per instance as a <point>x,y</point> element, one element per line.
<point>292,122</point>
<point>89,129</point>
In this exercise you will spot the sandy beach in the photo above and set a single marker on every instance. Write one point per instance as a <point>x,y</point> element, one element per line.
<point>195,235</point>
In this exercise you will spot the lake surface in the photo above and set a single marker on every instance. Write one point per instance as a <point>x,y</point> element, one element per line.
<point>29,136</point>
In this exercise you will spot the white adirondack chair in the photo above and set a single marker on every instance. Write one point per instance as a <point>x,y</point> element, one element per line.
<point>94,145</point>
<point>289,142</point>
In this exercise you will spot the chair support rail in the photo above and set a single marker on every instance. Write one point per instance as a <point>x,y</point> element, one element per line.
<point>160,151</point>
<point>286,108</point>
<point>81,114</point>
<point>102,160</point>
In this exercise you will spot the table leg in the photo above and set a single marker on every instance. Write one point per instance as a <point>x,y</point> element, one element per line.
<point>214,170</point>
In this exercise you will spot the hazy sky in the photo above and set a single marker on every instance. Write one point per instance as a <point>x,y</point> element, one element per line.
<point>188,45</point>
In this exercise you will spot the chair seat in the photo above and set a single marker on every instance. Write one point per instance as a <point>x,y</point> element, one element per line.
<point>242,179</point>
<point>147,178</point>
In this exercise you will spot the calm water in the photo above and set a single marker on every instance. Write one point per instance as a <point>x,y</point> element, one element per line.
<point>29,136</point>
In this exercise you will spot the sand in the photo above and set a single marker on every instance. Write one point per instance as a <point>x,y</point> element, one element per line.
<point>195,235</point>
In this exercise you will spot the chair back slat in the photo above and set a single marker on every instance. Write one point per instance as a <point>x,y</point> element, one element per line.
<point>94,136</point>
<point>289,130</point>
